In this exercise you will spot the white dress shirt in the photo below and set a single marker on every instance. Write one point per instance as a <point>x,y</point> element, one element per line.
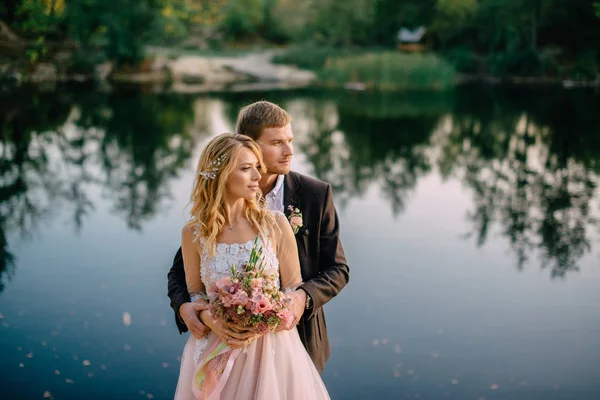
<point>275,197</point>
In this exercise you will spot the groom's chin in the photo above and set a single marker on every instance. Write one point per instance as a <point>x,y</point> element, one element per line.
<point>280,170</point>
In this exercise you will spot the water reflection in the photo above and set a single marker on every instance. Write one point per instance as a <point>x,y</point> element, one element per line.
<point>144,141</point>
<point>531,164</point>
<point>385,139</point>
<point>530,160</point>
<point>57,147</point>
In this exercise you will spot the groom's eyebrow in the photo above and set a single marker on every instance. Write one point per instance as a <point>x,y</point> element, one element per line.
<point>278,140</point>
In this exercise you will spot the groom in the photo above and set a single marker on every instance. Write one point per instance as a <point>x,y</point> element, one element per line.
<point>308,204</point>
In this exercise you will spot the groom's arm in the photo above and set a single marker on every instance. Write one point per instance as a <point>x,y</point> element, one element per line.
<point>178,292</point>
<point>333,268</point>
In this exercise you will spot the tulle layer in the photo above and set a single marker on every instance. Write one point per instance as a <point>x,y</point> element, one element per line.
<point>273,367</point>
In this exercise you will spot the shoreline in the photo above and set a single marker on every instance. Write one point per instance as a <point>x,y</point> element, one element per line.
<point>254,71</point>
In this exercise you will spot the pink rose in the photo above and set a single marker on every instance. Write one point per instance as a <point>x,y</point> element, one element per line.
<point>226,300</point>
<point>261,304</point>
<point>296,222</point>
<point>226,280</point>
<point>286,317</point>
<point>224,283</point>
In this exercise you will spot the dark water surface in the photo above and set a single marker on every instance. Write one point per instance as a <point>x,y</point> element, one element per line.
<point>470,222</point>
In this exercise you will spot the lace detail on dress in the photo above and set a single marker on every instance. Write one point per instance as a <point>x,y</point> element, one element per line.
<point>226,254</point>
<point>237,254</point>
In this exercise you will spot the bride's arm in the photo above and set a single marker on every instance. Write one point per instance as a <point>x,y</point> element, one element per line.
<point>287,254</point>
<point>191,264</point>
<point>289,268</point>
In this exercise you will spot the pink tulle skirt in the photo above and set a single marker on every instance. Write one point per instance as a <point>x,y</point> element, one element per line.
<point>275,366</point>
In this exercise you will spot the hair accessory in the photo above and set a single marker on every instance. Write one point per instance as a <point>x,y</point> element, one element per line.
<point>213,167</point>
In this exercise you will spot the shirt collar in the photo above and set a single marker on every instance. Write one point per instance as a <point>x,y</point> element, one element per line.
<point>278,186</point>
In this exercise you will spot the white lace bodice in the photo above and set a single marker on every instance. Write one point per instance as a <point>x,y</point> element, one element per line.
<point>237,254</point>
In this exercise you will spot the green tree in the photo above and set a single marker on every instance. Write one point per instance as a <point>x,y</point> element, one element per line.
<point>341,23</point>
<point>114,30</point>
<point>95,30</point>
<point>242,18</point>
<point>452,18</point>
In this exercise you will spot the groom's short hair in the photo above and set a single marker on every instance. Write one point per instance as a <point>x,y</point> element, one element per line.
<point>255,117</point>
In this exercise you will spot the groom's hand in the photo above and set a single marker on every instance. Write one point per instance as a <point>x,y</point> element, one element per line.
<point>298,305</point>
<point>189,314</point>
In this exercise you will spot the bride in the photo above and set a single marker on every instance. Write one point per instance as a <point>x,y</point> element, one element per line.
<point>227,215</point>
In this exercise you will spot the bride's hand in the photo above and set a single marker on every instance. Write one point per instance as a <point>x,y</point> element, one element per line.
<point>248,334</point>
<point>234,336</point>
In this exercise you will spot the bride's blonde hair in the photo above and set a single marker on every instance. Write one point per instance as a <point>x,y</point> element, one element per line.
<point>216,162</point>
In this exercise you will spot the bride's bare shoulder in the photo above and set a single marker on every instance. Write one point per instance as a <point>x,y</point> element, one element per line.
<point>187,230</point>
<point>189,233</point>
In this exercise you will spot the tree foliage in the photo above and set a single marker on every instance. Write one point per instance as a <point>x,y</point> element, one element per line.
<point>504,37</point>
<point>94,30</point>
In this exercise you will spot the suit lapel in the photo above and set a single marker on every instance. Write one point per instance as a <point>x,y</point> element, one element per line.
<point>291,197</point>
<point>290,193</point>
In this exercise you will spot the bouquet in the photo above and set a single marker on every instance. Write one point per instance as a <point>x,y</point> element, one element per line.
<point>250,297</point>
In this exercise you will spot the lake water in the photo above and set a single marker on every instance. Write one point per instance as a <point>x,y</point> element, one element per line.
<point>469,219</point>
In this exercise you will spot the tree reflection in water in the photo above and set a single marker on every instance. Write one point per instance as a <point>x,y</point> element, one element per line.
<point>530,159</point>
<point>57,145</point>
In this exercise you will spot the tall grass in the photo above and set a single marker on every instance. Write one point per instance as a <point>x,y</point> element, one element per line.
<point>390,71</point>
<point>313,58</point>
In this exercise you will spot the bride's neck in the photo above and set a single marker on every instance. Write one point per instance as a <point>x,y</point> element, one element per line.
<point>234,210</point>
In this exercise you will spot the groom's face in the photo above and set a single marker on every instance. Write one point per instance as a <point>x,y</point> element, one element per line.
<point>277,149</point>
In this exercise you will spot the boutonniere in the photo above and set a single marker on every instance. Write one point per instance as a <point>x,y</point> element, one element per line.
<point>295,218</point>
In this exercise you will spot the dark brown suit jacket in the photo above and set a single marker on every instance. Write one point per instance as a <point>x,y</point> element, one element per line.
<point>322,261</point>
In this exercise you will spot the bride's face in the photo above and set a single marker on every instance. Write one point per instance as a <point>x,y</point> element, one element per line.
<point>242,182</point>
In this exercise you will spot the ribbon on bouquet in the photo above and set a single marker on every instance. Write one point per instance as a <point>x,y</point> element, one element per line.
<point>200,377</point>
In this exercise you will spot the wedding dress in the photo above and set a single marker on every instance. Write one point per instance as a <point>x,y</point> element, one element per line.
<point>274,366</point>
